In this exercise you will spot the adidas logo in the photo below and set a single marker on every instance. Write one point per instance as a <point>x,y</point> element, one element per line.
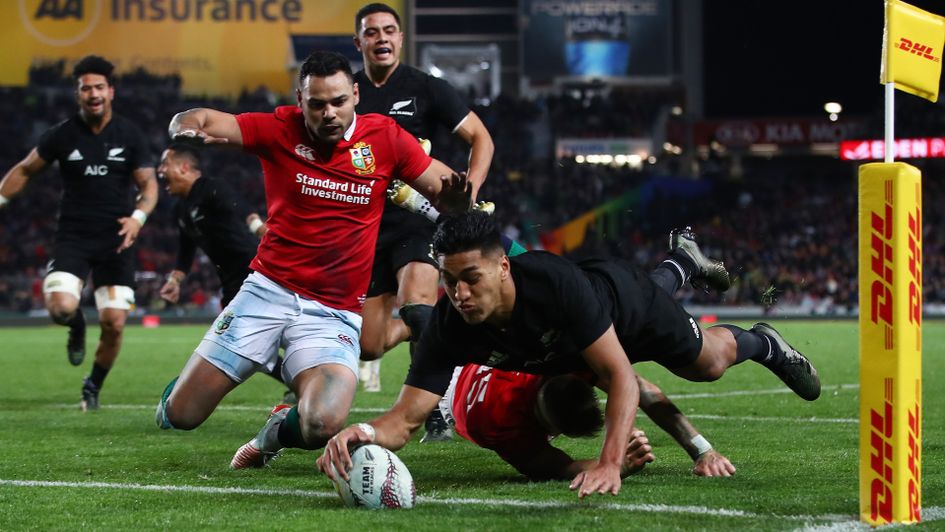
<point>75,155</point>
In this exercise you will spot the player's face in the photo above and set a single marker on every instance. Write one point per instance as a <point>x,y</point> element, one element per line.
<point>328,105</point>
<point>95,95</point>
<point>473,283</point>
<point>171,170</point>
<point>379,40</point>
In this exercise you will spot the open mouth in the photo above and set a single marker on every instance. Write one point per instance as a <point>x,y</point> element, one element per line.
<point>383,52</point>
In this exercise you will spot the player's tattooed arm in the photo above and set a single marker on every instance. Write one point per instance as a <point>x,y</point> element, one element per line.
<point>706,461</point>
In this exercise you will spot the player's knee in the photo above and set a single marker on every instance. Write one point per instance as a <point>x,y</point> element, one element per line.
<point>60,314</point>
<point>172,419</point>
<point>112,327</point>
<point>318,428</point>
<point>712,370</point>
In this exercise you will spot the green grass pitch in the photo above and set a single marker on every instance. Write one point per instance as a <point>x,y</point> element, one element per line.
<point>114,470</point>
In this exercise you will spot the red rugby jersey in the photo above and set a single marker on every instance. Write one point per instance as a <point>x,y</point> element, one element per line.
<point>494,409</point>
<point>323,215</point>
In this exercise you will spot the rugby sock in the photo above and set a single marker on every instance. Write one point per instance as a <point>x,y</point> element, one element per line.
<point>753,346</point>
<point>160,416</point>
<point>673,272</point>
<point>98,375</point>
<point>289,433</point>
<point>667,277</point>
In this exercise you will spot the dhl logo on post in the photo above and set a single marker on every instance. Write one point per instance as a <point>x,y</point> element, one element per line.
<point>890,343</point>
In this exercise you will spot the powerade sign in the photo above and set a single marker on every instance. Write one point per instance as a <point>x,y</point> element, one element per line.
<point>596,39</point>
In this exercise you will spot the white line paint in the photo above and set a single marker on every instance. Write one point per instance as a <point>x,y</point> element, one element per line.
<point>378,410</point>
<point>235,408</point>
<point>778,419</point>
<point>464,501</point>
<point>770,391</point>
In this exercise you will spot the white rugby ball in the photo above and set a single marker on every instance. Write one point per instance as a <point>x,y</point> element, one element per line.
<point>377,479</point>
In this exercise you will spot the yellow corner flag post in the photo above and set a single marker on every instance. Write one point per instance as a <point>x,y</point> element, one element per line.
<point>890,273</point>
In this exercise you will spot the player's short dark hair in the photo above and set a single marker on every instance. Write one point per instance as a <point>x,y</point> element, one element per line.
<point>94,64</point>
<point>466,232</point>
<point>570,404</point>
<point>187,151</point>
<point>322,64</point>
<point>370,9</point>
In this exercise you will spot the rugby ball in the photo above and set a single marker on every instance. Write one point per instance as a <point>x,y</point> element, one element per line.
<point>377,480</point>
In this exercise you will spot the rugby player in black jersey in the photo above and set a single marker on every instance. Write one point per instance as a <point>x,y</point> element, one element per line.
<point>405,274</point>
<point>213,218</point>
<point>540,313</point>
<point>102,157</point>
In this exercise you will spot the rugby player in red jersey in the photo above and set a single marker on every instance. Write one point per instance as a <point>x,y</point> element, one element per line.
<point>518,414</point>
<point>326,173</point>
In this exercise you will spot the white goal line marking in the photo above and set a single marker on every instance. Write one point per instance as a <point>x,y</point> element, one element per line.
<point>648,508</point>
<point>377,410</point>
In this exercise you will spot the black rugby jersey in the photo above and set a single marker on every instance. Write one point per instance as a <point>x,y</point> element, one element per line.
<point>213,218</point>
<point>418,102</point>
<point>560,309</point>
<point>96,170</point>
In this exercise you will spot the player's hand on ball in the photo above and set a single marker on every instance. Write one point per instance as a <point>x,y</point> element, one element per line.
<point>336,458</point>
<point>639,453</point>
<point>712,464</point>
<point>602,478</point>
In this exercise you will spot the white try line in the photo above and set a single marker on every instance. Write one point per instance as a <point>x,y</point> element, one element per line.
<point>769,391</point>
<point>378,410</point>
<point>461,501</point>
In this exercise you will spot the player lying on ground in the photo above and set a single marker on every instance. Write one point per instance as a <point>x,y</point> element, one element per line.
<point>539,313</point>
<point>326,171</point>
<point>499,410</point>
<point>517,414</point>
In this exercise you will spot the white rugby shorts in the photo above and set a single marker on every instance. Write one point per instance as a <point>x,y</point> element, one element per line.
<point>264,316</point>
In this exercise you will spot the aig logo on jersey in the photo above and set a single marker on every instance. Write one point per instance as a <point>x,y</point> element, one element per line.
<point>60,22</point>
<point>362,158</point>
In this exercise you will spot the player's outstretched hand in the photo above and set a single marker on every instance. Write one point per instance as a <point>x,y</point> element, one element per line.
<point>337,451</point>
<point>455,196</point>
<point>602,478</point>
<point>639,453</point>
<point>712,464</point>
<point>197,137</point>
<point>129,230</point>
<point>170,292</point>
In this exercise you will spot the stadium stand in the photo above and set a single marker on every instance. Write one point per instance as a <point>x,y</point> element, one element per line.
<point>785,227</point>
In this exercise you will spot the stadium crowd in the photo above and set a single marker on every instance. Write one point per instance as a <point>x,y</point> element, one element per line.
<point>786,227</point>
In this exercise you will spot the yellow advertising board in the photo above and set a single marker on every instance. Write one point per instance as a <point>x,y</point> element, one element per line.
<point>217,46</point>
<point>890,273</point>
